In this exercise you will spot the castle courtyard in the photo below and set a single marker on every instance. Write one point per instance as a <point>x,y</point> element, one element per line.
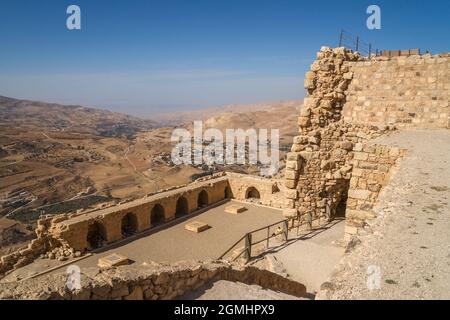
<point>171,242</point>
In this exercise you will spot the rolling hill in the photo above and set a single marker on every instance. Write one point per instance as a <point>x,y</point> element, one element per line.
<point>33,114</point>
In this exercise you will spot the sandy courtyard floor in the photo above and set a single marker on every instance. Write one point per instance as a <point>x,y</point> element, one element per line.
<point>172,243</point>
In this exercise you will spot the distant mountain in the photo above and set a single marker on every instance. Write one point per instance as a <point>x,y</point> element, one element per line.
<point>177,118</point>
<point>34,114</point>
<point>277,115</point>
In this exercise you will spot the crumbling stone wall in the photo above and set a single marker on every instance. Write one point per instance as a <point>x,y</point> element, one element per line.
<point>150,281</point>
<point>351,100</point>
<point>21,257</point>
<point>318,168</point>
<point>372,166</point>
<point>409,91</point>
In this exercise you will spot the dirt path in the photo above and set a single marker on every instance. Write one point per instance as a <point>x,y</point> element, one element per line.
<point>408,245</point>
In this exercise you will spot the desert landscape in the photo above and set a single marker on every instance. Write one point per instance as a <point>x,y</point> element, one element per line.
<point>107,200</point>
<point>56,159</point>
<point>224,155</point>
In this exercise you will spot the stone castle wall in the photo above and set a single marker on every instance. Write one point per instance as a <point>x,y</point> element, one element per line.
<point>319,166</point>
<point>332,170</point>
<point>372,167</point>
<point>409,91</point>
<point>150,281</point>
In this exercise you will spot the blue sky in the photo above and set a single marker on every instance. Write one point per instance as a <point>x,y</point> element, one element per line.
<point>144,57</point>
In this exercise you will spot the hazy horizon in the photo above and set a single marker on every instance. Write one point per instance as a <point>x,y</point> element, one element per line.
<point>147,57</point>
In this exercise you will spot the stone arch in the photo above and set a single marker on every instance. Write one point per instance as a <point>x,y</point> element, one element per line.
<point>336,200</point>
<point>129,224</point>
<point>227,193</point>
<point>157,216</point>
<point>96,236</point>
<point>252,193</point>
<point>182,207</point>
<point>202,199</point>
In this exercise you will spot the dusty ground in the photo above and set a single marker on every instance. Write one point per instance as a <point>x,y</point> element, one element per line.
<point>311,259</point>
<point>410,240</point>
<point>228,290</point>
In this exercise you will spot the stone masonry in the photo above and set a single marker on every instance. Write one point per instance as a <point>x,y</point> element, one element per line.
<point>149,281</point>
<point>319,166</point>
<point>409,91</point>
<point>371,171</point>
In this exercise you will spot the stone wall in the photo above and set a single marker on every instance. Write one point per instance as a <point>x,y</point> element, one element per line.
<point>351,100</point>
<point>23,256</point>
<point>271,192</point>
<point>409,91</point>
<point>150,281</point>
<point>319,166</point>
<point>372,167</point>
<point>140,214</point>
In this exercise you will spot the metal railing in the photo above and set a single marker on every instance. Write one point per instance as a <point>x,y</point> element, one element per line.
<point>258,236</point>
<point>355,43</point>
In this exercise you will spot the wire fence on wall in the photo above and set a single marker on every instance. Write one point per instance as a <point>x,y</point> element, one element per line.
<point>355,43</point>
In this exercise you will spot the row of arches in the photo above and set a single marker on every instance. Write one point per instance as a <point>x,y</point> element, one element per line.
<point>96,236</point>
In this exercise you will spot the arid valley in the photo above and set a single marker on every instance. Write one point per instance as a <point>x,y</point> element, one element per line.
<point>56,159</point>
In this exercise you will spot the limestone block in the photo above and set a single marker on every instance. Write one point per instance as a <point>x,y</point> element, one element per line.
<point>300,140</point>
<point>304,122</point>
<point>309,84</point>
<point>360,156</point>
<point>293,165</point>
<point>356,172</point>
<point>326,164</point>
<point>310,103</point>
<point>113,260</point>
<point>310,75</point>
<point>293,156</point>
<point>196,226</point>
<point>346,169</point>
<point>359,215</point>
<point>291,174</point>
<point>348,76</point>
<point>358,147</point>
<point>290,213</point>
<point>313,140</point>
<point>297,147</point>
<point>359,194</point>
<point>326,104</point>
<point>346,145</point>
<point>291,194</point>
<point>291,184</point>
<point>305,112</point>
<point>235,209</point>
<point>136,294</point>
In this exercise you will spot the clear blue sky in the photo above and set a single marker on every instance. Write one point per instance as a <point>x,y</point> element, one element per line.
<point>143,57</point>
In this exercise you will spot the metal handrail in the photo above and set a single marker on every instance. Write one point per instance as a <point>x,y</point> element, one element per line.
<point>231,248</point>
<point>248,235</point>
